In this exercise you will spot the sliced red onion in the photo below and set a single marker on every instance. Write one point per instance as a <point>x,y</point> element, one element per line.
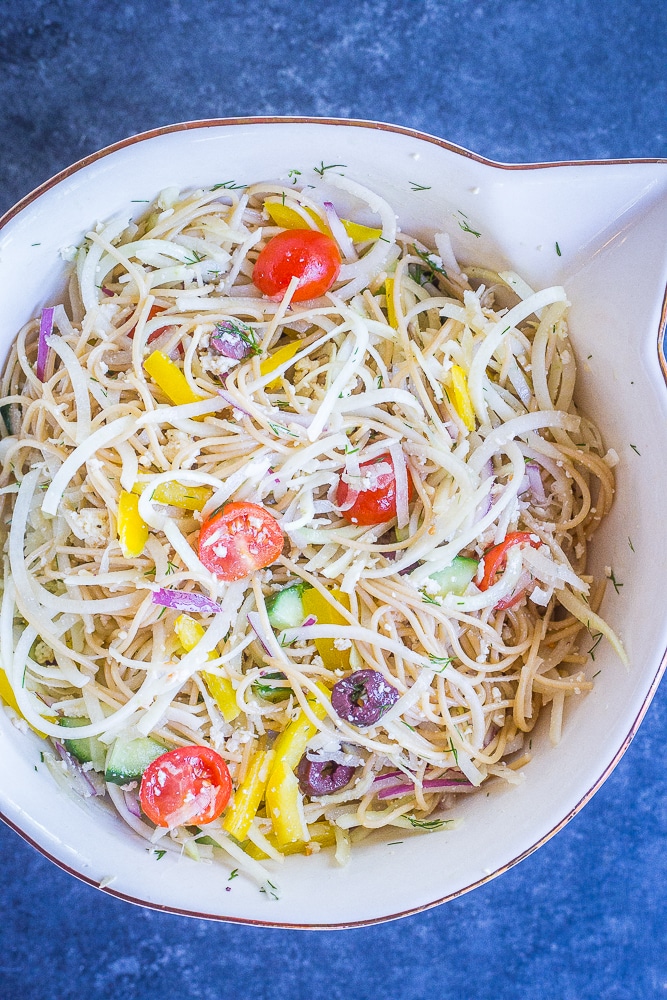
<point>107,291</point>
<point>232,402</point>
<point>45,331</point>
<point>310,620</point>
<point>233,339</point>
<point>535,482</point>
<point>389,775</point>
<point>184,600</point>
<point>338,232</point>
<point>255,623</point>
<point>132,803</point>
<point>87,783</point>
<point>395,791</point>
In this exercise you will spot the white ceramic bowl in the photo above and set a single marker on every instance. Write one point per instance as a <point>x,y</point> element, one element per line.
<point>598,228</point>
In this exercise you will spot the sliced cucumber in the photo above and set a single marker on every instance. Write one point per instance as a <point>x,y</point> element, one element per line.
<point>88,750</point>
<point>271,692</point>
<point>129,758</point>
<point>285,609</point>
<point>454,579</point>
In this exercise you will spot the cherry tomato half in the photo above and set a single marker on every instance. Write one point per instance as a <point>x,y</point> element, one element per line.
<point>154,311</point>
<point>373,506</point>
<point>189,785</point>
<point>240,539</point>
<point>307,254</point>
<point>494,560</point>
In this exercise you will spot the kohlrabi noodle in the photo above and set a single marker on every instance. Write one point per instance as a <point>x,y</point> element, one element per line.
<point>405,661</point>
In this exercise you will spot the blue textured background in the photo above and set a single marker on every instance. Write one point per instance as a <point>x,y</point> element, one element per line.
<point>584,917</point>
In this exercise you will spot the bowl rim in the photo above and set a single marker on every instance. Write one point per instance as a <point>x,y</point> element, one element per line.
<point>185,126</point>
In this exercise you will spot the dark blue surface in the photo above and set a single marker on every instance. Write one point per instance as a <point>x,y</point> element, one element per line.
<point>584,917</point>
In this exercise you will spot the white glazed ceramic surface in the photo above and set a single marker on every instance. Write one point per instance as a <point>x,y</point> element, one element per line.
<point>609,221</point>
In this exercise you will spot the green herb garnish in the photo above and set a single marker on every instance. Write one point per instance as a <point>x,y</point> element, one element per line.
<point>427,824</point>
<point>320,170</point>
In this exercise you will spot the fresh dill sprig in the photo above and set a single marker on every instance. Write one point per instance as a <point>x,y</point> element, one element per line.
<point>597,636</point>
<point>414,186</point>
<point>467,229</point>
<point>453,751</point>
<point>228,186</point>
<point>441,661</point>
<point>431,264</point>
<point>279,429</point>
<point>427,824</point>
<point>330,166</point>
<point>239,329</point>
<point>617,586</point>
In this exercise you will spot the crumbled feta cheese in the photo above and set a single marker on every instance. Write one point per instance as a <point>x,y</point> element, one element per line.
<point>342,643</point>
<point>90,524</point>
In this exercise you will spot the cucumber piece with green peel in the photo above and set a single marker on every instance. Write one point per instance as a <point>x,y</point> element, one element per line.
<point>454,579</point>
<point>87,750</point>
<point>272,692</point>
<point>285,609</point>
<point>129,758</point>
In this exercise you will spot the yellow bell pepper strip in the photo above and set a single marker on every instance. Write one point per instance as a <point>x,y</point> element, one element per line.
<point>287,218</point>
<point>279,357</point>
<point>9,698</point>
<point>178,495</point>
<point>318,606</point>
<point>189,633</point>
<point>284,804</point>
<point>131,527</point>
<point>291,744</point>
<point>248,796</point>
<point>170,379</point>
<point>389,295</point>
<point>359,233</point>
<point>320,833</point>
<point>462,402</point>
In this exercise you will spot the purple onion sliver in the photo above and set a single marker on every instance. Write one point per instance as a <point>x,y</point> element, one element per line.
<point>395,791</point>
<point>389,775</point>
<point>227,340</point>
<point>45,331</point>
<point>255,623</point>
<point>310,620</point>
<point>75,768</point>
<point>338,232</point>
<point>183,600</point>
<point>535,481</point>
<point>132,803</point>
<point>232,402</point>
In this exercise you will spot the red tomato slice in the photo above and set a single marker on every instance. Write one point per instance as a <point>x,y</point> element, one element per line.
<point>241,538</point>
<point>494,560</point>
<point>189,785</point>
<point>311,256</point>
<point>373,506</point>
